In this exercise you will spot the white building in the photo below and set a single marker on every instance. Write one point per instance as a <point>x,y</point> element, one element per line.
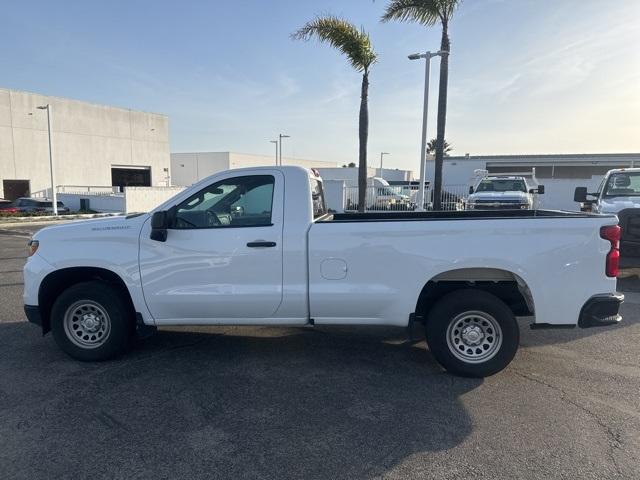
<point>560,174</point>
<point>350,175</point>
<point>92,145</point>
<point>188,168</point>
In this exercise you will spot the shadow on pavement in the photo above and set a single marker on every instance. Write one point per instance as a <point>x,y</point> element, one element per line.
<point>284,403</point>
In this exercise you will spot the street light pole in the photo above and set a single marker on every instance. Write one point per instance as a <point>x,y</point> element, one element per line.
<point>280,137</point>
<point>382,154</point>
<point>54,194</point>
<point>275,142</point>
<point>425,112</point>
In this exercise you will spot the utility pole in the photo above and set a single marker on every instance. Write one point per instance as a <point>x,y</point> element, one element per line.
<point>382,154</point>
<point>54,194</point>
<point>275,142</point>
<point>425,112</point>
<point>280,137</point>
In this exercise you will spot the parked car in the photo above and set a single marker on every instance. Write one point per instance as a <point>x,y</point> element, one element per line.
<point>238,248</point>
<point>37,205</point>
<point>618,193</point>
<point>503,192</point>
<point>6,207</point>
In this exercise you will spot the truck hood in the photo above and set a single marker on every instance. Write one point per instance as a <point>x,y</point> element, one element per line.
<point>500,196</point>
<point>91,229</point>
<point>615,204</point>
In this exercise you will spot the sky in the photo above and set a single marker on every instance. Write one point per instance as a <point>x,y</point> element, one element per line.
<point>526,76</point>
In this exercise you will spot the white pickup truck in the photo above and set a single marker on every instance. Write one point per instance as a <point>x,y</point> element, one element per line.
<point>619,194</point>
<point>503,192</point>
<point>256,247</point>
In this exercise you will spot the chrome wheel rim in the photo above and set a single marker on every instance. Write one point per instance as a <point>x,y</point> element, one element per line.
<point>87,324</point>
<point>474,337</point>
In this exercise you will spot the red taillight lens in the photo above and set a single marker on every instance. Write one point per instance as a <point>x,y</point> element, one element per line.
<point>612,233</point>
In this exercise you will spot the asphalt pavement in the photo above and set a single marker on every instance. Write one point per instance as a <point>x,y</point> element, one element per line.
<point>319,403</point>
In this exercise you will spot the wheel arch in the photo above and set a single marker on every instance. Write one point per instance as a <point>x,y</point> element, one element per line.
<point>504,284</point>
<point>58,281</point>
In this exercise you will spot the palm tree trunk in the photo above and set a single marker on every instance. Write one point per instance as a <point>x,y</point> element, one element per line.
<point>442,117</point>
<point>363,128</point>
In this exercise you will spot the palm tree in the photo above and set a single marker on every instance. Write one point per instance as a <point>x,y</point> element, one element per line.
<point>431,147</point>
<point>355,44</point>
<point>428,13</point>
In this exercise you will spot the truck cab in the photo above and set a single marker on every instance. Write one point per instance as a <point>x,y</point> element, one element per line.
<point>618,193</point>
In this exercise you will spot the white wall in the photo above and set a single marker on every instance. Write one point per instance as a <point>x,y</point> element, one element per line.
<point>145,199</point>
<point>98,203</point>
<point>558,192</point>
<point>334,194</point>
<point>350,174</point>
<point>188,168</point>
<point>455,172</point>
<point>87,140</point>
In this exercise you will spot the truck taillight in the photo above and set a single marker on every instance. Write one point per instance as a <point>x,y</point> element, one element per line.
<point>612,233</point>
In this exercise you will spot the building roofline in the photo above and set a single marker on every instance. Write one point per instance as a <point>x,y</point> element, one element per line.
<point>546,156</point>
<point>93,104</point>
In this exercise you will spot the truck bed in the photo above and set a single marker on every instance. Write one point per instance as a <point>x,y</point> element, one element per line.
<point>455,215</point>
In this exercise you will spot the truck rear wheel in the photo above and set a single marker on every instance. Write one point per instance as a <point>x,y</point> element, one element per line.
<point>91,321</point>
<point>472,333</point>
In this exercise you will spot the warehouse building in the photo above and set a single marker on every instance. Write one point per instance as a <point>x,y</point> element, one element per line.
<point>91,145</point>
<point>188,168</point>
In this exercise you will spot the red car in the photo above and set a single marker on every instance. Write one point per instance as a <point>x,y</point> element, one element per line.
<point>6,206</point>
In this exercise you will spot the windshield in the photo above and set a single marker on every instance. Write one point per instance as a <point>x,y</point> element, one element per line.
<point>506,185</point>
<point>385,191</point>
<point>623,184</point>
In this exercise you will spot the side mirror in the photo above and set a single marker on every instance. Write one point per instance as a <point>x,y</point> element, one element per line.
<point>580,194</point>
<point>470,190</point>
<point>539,190</point>
<point>159,225</point>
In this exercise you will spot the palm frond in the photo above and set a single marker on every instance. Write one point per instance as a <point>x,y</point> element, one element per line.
<point>354,43</point>
<point>425,12</point>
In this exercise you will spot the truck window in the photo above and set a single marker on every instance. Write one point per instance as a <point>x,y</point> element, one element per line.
<point>503,185</point>
<point>235,202</point>
<point>623,184</point>
<point>317,198</point>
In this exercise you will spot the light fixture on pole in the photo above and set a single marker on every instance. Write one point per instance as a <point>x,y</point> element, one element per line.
<point>425,111</point>
<point>280,137</point>
<point>275,142</point>
<point>54,194</point>
<point>382,154</point>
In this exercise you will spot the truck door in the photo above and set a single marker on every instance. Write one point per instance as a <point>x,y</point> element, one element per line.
<point>222,257</point>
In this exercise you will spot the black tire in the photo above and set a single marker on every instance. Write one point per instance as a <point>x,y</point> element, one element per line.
<point>94,299</point>
<point>482,314</point>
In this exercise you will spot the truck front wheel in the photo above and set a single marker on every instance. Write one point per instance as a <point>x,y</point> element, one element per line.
<point>91,321</point>
<point>472,333</point>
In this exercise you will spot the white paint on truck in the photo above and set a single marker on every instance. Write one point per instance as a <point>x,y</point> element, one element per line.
<point>255,246</point>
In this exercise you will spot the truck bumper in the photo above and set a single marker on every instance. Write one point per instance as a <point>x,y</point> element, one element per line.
<point>601,310</point>
<point>33,314</point>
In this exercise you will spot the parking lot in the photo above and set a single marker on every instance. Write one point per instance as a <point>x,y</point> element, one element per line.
<point>314,403</point>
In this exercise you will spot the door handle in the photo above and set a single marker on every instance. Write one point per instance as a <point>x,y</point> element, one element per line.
<point>261,243</point>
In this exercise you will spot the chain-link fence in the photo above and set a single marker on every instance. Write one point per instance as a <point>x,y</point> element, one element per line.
<point>404,198</point>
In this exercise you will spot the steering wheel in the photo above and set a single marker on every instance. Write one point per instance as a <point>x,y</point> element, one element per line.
<point>212,219</point>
